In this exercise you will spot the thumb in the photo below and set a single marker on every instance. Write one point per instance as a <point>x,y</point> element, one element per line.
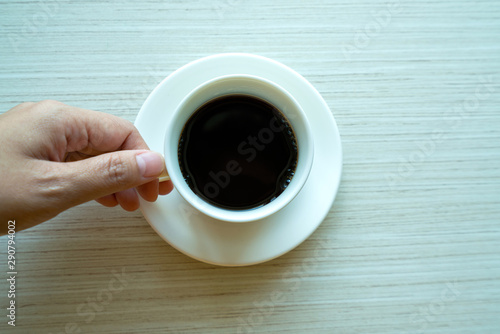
<point>113,172</point>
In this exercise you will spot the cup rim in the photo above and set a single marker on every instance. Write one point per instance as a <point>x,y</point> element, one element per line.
<point>246,215</point>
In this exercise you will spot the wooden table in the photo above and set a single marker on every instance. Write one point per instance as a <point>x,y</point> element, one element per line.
<point>412,242</point>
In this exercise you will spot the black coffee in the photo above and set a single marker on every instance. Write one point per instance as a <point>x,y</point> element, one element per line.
<point>238,152</point>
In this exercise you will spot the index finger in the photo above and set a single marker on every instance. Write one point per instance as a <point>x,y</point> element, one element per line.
<point>93,132</point>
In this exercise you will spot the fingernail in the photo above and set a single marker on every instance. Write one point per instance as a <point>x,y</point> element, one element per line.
<point>150,163</point>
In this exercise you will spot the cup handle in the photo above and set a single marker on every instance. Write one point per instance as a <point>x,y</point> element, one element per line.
<point>164,175</point>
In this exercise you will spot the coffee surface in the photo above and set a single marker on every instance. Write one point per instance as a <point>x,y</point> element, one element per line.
<point>238,152</point>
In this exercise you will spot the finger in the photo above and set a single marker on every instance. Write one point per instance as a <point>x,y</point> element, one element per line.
<point>108,201</point>
<point>165,187</point>
<point>93,132</point>
<point>128,199</point>
<point>149,191</point>
<point>76,156</point>
<point>67,129</point>
<point>108,173</point>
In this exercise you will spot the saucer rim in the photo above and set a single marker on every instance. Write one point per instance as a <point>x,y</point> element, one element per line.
<point>242,57</point>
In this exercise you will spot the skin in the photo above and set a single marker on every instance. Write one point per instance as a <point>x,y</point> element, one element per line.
<point>54,156</point>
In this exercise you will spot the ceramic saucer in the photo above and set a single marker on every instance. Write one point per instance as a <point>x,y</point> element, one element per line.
<point>240,244</point>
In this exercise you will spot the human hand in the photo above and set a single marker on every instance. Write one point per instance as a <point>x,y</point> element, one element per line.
<point>54,156</point>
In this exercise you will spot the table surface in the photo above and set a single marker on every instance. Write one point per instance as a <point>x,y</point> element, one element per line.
<point>412,242</point>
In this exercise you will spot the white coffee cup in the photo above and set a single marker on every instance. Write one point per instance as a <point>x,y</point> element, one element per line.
<point>252,86</point>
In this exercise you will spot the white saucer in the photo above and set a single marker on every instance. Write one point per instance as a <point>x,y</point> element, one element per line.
<point>240,244</point>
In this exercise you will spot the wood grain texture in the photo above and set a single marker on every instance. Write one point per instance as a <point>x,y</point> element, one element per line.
<point>412,242</point>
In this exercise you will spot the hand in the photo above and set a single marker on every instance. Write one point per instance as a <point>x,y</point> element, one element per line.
<point>54,156</point>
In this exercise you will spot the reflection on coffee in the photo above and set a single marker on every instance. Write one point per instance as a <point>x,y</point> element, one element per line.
<point>238,152</point>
